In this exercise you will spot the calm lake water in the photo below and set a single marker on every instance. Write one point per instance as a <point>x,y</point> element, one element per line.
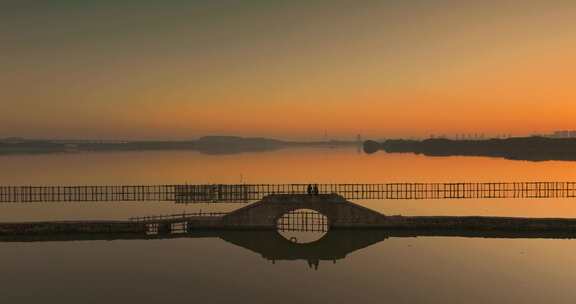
<point>259,267</point>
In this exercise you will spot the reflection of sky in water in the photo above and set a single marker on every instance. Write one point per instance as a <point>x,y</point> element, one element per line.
<point>302,237</point>
<point>284,166</point>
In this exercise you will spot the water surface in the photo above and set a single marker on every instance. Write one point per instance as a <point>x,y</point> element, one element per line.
<point>221,270</point>
<point>284,166</point>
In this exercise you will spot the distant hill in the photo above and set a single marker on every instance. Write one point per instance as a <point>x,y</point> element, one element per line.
<point>206,144</point>
<point>519,148</point>
<point>22,146</point>
<point>235,144</point>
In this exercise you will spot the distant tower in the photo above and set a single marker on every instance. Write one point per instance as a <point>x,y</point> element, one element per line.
<point>359,144</point>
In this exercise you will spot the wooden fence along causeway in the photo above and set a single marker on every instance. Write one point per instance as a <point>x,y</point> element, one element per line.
<point>251,192</point>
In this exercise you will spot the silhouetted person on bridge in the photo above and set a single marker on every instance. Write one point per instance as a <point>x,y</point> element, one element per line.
<point>315,189</point>
<point>309,189</point>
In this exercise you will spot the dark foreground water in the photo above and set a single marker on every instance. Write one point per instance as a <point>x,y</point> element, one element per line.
<point>250,267</point>
<point>211,270</point>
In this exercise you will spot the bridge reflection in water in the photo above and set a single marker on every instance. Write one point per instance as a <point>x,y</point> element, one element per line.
<point>333,246</point>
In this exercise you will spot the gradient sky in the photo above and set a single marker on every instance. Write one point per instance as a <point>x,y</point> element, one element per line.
<point>286,69</point>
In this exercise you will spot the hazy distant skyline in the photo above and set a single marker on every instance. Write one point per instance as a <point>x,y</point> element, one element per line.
<point>285,69</point>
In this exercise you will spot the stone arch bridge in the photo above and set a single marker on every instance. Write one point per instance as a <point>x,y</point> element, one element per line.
<point>265,213</point>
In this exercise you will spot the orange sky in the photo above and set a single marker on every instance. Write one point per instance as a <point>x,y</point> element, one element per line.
<point>287,69</point>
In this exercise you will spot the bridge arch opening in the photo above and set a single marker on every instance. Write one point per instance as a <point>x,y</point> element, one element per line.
<point>302,226</point>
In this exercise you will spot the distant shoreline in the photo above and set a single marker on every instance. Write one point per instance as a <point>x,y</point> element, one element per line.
<point>519,148</point>
<point>205,145</point>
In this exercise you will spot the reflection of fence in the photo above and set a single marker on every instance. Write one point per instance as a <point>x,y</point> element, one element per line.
<point>302,220</point>
<point>174,217</point>
<point>251,192</point>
